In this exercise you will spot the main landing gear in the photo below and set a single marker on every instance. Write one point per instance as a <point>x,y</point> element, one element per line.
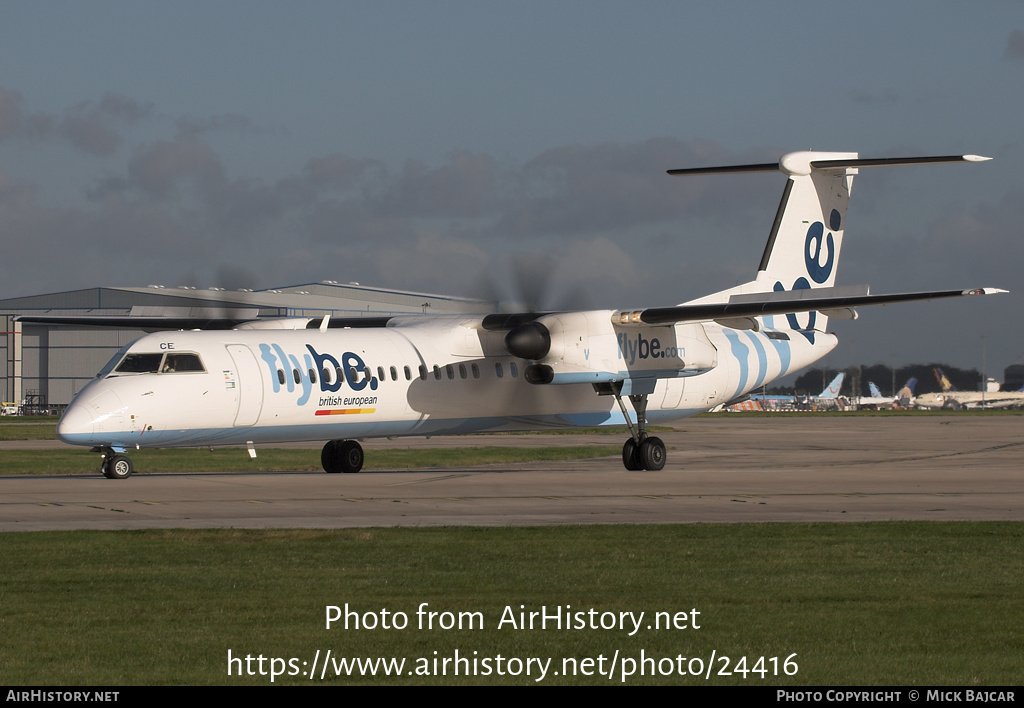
<point>114,466</point>
<point>342,456</point>
<point>640,452</point>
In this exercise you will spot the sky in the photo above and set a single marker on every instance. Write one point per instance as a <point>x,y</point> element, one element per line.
<point>451,147</point>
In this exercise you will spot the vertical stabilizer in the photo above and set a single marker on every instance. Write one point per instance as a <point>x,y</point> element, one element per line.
<point>832,390</point>
<point>807,235</point>
<point>804,244</point>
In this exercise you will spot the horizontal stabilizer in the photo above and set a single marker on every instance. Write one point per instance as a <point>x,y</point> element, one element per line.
<point>801,163</point>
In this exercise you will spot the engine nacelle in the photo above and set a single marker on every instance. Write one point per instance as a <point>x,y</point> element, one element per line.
<point>579,347</point>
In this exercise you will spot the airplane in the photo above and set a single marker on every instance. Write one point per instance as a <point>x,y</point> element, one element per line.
<point>832,390</point>
<point>877,401</point>
<point>828,399</point>
<point>960,400</point>
<point>268,381</point>
<point>759,401</point>
<point>952,399</point>
<point>944,383</point>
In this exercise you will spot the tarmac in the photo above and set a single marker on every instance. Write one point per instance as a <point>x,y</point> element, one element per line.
<point>720,470</point>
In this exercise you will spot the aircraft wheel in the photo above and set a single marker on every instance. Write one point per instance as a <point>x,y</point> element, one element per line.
<point>117,467</point>
<point>329,457</point>
<point>351,456</point>
<point>631,456</point>
<point>652,454</point>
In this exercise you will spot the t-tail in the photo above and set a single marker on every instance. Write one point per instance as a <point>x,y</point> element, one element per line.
<point>806,238</point>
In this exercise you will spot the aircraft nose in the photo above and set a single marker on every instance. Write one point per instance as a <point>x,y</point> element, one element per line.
<point>76,424</point>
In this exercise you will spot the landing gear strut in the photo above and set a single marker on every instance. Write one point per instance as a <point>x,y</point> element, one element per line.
<point>640,452</point>
<point>114,466</point>
<point>342,456</point>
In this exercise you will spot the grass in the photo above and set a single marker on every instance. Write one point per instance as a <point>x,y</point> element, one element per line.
<point>28,431</point>
<point>921,603</point>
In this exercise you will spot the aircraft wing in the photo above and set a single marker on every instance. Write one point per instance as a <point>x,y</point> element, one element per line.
<point>130,322</point>
<point>834,301</point>
<point>235,320</point>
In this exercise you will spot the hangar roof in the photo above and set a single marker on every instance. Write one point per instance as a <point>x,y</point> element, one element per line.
<point>293,300</point>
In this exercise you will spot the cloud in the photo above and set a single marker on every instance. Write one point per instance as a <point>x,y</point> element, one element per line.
<point>874,98</point>
<point>465,187</point>
<point>14,123</point>
<point>1015,46</point>
<point>591,214</point>
<point>162,168</point>
<point>92,125</point>
<point>605,188</point>
<point>229,122</point>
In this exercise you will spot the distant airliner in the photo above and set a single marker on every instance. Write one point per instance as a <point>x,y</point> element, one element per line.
<point>272,381</point>
<point>951,398</point>
<point>758,401</point>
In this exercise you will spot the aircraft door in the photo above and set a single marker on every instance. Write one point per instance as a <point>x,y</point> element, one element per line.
<point>673,394</point>
<point>249,383</point>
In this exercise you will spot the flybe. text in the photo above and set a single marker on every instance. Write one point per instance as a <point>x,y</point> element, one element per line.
<point>639,347</point>
<point>326,370</point>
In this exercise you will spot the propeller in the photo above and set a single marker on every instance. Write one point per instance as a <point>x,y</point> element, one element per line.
<point>531,284</point>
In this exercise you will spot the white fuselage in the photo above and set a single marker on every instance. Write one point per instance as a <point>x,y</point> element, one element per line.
<point>970,399</point>
<point>417,376</point>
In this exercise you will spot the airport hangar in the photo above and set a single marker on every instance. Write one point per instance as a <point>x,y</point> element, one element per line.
<point>47,364</point>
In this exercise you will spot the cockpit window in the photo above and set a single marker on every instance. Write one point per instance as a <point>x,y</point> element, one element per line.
<point>182,362</point>
<point>140,364</point>
<point>144,363</point>
<point>109,366</point>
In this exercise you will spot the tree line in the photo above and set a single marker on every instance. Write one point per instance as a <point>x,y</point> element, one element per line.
<point>814,380</point>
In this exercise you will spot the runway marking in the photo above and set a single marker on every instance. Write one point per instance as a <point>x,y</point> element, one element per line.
<point>431,479</point>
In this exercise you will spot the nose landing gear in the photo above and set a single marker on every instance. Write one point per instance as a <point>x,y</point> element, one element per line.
<point>114,466</point>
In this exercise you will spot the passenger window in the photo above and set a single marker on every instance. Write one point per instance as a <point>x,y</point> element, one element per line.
<point>423,371</point>
<point>394,374</point>
<point>408,374</point>
<point>513,369</point>
<point>448,369</point>
<point>327,375</point>
<point>297,376</point>
<point>437,372</point>
<point>380,373</point>
<point>312,376</point>
<point>476,371</point>
<point>280,376</point>
<point>497,369</point>
<point>462,371</point>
